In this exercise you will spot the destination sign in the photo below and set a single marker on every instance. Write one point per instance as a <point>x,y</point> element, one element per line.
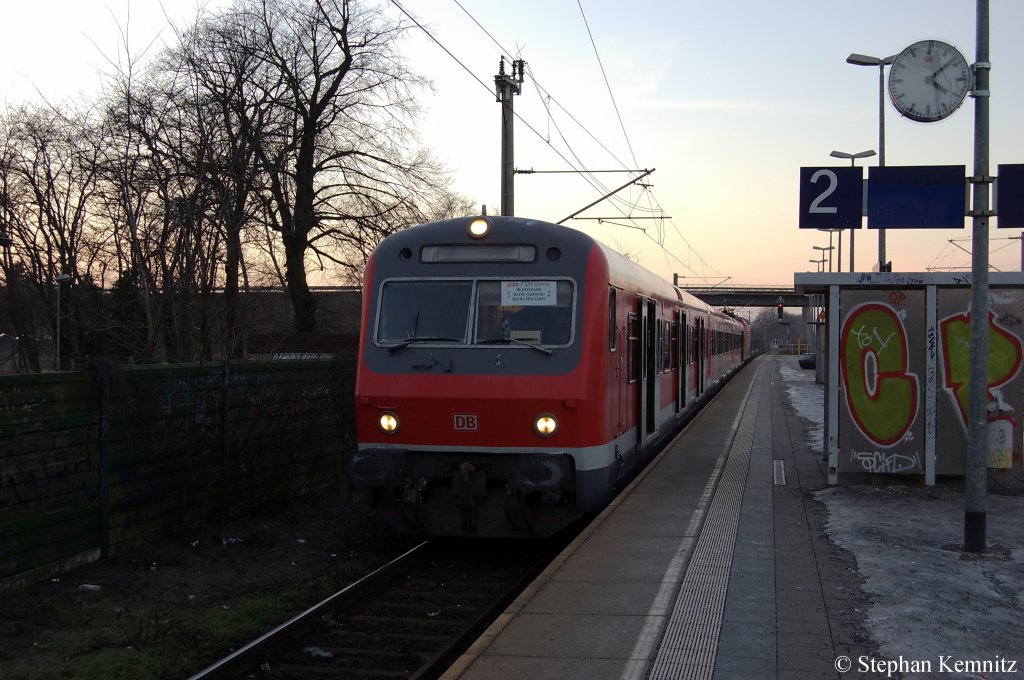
<point>528,293</point>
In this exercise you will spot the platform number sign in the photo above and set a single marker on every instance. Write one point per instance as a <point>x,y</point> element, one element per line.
<point>831,198</point>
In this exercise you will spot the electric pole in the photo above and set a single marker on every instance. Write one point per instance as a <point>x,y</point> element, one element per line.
<point>506,86</point>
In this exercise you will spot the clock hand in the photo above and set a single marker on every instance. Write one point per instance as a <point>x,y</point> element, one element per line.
<point>943,67</point>
<point>931,81</point>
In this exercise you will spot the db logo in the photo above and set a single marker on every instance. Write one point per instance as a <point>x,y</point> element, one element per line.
<point>465,423</point>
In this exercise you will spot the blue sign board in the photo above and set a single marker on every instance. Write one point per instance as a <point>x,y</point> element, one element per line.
<point>831,198</point>
<point>917,197</point>
<point>1010,196</point>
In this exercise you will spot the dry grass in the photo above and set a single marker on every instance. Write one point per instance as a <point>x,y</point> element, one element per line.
<point>170,607</point>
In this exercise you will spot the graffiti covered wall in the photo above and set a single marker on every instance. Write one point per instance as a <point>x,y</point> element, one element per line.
<point>903,355</point>
<point>881,423</point>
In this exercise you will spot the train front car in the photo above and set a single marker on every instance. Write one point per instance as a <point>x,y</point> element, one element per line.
<point>479,408</point>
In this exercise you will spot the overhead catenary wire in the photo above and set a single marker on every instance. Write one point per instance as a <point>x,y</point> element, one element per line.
<point>486,86</point>
<point>947,255</point>
<point>607,84</point>
<point>576,162</point>
<point>579,166</point>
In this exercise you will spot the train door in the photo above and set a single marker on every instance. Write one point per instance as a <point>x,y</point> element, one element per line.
<point>621,375</point>
<point>653,376</point>
<point>648,397</point>
<point>682,342</point>
<point>702,350</point>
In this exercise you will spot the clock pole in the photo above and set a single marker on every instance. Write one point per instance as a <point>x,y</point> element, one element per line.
<point>881,150</point>
<point>975,511</point>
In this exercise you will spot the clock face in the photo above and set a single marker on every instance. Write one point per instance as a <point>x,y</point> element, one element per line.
<point>929,80</point>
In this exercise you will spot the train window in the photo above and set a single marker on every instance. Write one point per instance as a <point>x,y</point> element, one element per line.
<point>654,329</point>
<point>611,319</point>
<point>424,309</point>
<point>666,346</point>
<point>539,312</point>
<point>674,342</point>
<point>633,348</point>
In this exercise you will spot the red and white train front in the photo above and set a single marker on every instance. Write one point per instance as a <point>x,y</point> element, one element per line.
<point>492,394</point>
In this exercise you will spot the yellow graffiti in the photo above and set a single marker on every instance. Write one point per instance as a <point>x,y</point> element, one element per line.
<point>1004,357</point>
<point>881,394</point>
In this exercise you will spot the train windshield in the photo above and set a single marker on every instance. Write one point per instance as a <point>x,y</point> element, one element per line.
<point>434,310</point>
<point>520,311</point>
<point>530,311</point>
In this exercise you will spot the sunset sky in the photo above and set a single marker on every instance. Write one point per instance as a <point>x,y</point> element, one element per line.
<point>727,100</point>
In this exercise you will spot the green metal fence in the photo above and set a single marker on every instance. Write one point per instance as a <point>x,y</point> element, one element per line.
<point>91,461</point>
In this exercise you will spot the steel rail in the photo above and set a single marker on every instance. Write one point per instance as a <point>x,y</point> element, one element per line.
<point>247,656</point>
<point>447,655</point>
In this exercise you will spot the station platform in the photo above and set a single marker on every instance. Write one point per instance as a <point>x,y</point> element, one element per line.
<point>711,564</point>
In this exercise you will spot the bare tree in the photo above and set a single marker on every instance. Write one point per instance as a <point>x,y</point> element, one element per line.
<point>222,91</point>
<point>273,137</point>
<point>335,137</point>
<point>356,235</point>
<point>170,193</point>
<point>48,180</point>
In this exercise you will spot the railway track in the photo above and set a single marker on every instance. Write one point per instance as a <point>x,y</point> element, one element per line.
<point>409,619</point>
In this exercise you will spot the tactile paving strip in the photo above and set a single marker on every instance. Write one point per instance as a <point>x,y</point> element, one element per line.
<point>689,642</point>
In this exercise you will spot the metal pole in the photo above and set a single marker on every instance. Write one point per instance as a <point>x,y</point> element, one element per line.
<point>852,230</point>
<point>505,88</point>
<point>56,358</point>
<point>610,193</point>
<point>61,279</point>
<point>881,152</point>
<point>976,477</point>
<point>507,157</point>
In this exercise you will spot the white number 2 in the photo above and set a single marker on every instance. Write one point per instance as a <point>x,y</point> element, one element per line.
<point>833,183</point>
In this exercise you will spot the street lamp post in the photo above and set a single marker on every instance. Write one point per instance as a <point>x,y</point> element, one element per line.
<point>839,247</point>
<point>839,254</point>
<point>824,259</point>
<point>881,63</point>
<point>853,157</point>
<point>820,263</point>
<point>61,280</point>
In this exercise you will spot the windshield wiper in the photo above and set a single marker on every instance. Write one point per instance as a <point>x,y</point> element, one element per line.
<point>508,341</point>
<point>421,338</point>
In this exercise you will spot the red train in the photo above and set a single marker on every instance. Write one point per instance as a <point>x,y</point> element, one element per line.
<point>515,374</point>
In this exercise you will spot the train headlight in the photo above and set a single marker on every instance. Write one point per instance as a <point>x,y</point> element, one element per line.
<point>546,425</point>
<point>388,422</point>
<point>479,228</point>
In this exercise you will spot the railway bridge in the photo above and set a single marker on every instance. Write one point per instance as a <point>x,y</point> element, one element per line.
<point>747,296</point>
